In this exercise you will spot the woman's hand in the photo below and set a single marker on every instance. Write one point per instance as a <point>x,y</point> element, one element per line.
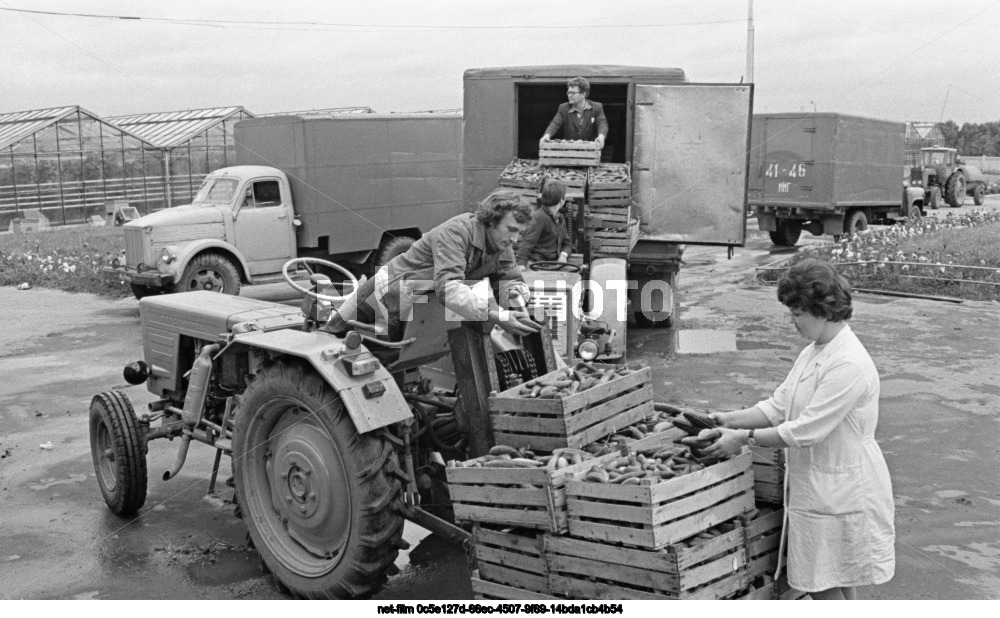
<point>729,444</point>
<point>719,418</point>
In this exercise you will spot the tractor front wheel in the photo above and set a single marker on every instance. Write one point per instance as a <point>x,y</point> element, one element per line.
<point>856,222</point>
<point>320,500</point>
<point>788,233</point>
<point>119,452</point>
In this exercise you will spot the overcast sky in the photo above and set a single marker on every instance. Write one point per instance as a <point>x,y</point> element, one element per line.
<point>884,59</point>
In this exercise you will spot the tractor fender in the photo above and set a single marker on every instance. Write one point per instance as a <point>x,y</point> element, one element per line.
<point>188,251</point>
<point>326,353</point>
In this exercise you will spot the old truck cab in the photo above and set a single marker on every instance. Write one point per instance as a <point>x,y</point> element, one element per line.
<point>240,226</point>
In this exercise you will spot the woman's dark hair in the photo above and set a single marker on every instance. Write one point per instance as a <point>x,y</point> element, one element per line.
<point>551,193</point>
<point>816,287</point>
<point>497,204</point>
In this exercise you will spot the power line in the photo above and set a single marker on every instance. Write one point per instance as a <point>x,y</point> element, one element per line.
<point>312,25</point>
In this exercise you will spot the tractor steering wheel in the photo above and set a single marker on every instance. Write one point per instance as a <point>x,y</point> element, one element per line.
<point>306,261</point>
<point>554,267</point>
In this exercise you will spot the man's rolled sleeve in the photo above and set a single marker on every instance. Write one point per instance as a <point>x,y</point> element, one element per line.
<point>837,394</point>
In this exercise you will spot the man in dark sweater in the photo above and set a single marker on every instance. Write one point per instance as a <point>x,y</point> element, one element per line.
<point>580,118</point>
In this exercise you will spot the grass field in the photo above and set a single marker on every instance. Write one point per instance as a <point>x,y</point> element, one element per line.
<point>958,255</point>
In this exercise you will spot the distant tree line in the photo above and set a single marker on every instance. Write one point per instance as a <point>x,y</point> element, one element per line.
<point>972,139</point>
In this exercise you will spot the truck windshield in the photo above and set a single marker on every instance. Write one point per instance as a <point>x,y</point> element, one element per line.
<point>216,191</point>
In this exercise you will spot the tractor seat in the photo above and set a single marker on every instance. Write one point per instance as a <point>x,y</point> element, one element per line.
<point>594,327</point>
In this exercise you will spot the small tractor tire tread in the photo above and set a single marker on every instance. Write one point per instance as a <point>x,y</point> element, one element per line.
<point>114,410</point>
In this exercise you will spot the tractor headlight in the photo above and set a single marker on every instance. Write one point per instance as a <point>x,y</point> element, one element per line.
<point>362,364</point>
<point>167,255</point>
<point>588,350</point>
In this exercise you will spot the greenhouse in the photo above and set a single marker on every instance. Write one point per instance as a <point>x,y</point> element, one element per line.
<point>66,165</point>
<point>193,143</point>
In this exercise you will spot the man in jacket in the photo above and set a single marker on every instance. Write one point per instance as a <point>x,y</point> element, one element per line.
<point>452,260</point>
<point>580,118</point>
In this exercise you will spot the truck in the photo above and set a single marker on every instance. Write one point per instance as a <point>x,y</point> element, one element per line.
<point>686,146</point>
<point>358,189</point>
<point>827,173</point>
<point>942,174</point>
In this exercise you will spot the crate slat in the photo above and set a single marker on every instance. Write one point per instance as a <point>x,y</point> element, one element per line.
<point>485,590</point>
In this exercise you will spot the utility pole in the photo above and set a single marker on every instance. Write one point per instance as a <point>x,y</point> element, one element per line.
<point>750,41</point>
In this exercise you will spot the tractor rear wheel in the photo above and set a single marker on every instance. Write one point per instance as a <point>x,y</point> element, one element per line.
<point>856,222</point>
<point>979,195</point>
<point>954,190</point>
<point>320,500</point>
<point>119,452</point>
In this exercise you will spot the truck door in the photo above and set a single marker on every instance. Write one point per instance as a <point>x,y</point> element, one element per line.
<point>689,162</point>
<point>263,227</point>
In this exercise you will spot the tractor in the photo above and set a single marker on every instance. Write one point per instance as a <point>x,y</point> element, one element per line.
<point>942,175</point>
<point>334,439</point>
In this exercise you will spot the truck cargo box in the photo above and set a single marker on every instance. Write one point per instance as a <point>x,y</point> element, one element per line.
<point>687,143</point>
<point>825,161</point>
<point>361,174</point>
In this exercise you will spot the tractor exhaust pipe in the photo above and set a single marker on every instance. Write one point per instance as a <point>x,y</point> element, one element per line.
<point>194,403</point>
<point>181,456</point>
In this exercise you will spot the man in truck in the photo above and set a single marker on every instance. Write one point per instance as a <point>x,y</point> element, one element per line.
<point>452,260</point>
<point>580,118</point>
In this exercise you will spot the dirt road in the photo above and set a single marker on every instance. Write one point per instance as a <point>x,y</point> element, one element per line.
<point>940,411</point>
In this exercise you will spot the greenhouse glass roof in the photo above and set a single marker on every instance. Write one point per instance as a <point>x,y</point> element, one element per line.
<point>15,126</point>
<point>169,129</point>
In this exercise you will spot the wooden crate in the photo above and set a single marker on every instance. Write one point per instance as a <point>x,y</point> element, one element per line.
<point>607,218</point>
<point>712,569</point>
<point>569,153</point>
<point>609,194</point>
<point>761,593</point>
<point>511,556</point>
<point>522,174</point>
<point>528,497</point>
<point>574,421</point>
<point>574,179</point>
<point>763,541</point>
<point>768,474</point>
<point>485,590</point>
<point>655,516</point>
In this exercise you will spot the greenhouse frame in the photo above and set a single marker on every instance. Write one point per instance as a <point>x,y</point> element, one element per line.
<point>67,165</point>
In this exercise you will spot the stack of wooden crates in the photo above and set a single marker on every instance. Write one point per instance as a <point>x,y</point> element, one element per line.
<point>549,534</point>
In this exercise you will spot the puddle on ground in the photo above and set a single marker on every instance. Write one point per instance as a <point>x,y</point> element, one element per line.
<point>225,566</point>
<point>980,556</point>
<point>706,341</point>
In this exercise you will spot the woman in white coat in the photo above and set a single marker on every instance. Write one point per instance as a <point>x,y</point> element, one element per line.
<point>838,530</point>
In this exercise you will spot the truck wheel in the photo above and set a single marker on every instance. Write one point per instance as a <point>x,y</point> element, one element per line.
<point>915,213</point>
<point>390,248</point>
<point>856,222</point>
<point>319,499</point>
<point>142,291</point>
<point>979,195</point>
<point>934,198</point>
<point>119,452</point>
<point>954,190</point>
<point>787,234</point>
<point>212,272</point>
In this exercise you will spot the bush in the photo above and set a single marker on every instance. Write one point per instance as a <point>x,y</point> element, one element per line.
<point>64,258</point>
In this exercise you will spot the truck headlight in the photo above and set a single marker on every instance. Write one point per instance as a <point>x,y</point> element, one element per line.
<point>167,255</point>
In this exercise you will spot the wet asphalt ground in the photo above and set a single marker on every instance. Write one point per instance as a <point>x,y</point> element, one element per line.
<point>733,344</point>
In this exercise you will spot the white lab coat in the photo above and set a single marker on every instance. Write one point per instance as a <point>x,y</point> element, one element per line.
<point>839,510</point>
